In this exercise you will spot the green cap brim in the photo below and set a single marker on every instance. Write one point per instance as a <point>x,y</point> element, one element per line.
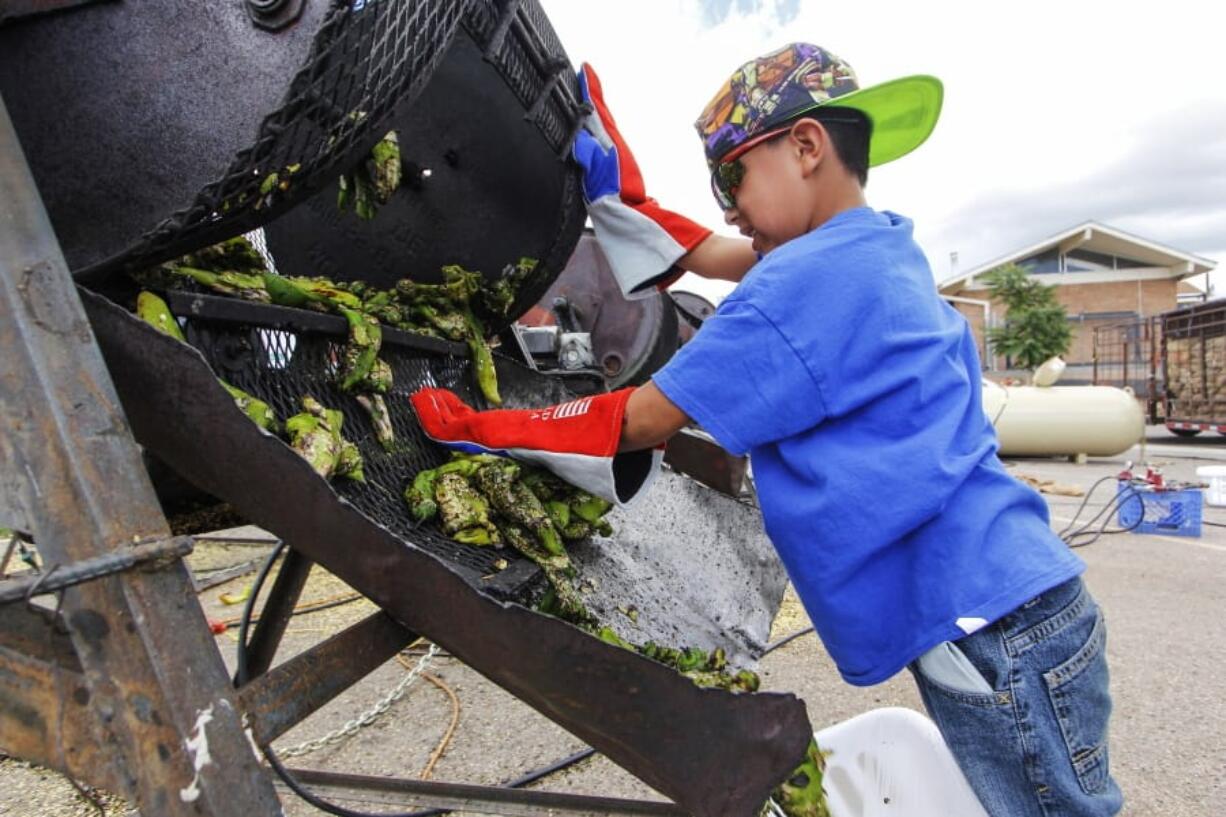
<point>903,112</point>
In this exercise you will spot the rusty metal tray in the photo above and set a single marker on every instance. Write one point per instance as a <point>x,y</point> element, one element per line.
<point>712,752</point>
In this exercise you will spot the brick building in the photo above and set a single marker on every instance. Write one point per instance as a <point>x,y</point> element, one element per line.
<point>1103,276</point>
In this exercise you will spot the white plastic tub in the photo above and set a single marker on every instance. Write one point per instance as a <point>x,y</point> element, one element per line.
<point>893,762</point>
<point>1215,475</point>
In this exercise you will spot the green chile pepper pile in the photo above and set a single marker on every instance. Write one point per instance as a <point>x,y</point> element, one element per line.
<point>492,501</point>
<point>234,268</point>
<point>315,432</point>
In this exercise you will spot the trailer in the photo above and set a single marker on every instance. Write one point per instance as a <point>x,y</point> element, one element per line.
<point>1175,362</point>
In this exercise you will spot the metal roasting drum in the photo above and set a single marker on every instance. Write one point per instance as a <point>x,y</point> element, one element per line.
<point>179,107</point>
<point>486,181</point>
<point>175,171</point>
<point>169,118</point>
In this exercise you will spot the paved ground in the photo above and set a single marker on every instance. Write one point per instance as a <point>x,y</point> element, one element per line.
<point>1163,596</point>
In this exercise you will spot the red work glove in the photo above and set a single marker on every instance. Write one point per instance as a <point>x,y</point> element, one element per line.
<point>576,440</point>
<point>641,240</point>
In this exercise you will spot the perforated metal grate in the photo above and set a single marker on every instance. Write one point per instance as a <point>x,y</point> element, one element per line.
<point>368,57</point>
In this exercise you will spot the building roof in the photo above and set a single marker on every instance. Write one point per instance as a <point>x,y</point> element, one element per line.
<point>1100,238</point>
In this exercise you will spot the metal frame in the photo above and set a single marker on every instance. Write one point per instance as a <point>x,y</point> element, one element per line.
<point>150,702</point>
<point>125,689</point>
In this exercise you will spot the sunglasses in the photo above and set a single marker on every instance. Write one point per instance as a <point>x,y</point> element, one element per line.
<point>728,175</point>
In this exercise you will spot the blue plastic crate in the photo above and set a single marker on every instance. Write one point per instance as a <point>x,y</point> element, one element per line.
<point>1172,513</point>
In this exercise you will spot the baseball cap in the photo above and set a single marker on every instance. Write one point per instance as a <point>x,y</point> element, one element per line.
<point>801,77</point>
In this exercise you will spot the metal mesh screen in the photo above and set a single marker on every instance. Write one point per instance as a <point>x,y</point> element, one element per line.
<point>1193,373</point>
<point>279,355</point>
<point>1129,355</point>
<point>367,57</point>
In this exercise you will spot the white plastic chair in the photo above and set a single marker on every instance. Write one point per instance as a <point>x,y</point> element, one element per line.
<point>893,762</point>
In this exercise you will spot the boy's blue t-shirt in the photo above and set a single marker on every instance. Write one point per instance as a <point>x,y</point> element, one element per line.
<point>856,391</point>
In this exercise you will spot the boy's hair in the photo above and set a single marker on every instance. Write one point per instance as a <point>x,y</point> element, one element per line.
<point>851,139</point>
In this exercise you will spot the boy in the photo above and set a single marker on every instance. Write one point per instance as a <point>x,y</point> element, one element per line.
<point>855,389</point>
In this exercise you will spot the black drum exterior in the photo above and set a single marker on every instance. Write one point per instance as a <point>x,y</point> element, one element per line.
<point>488,178</point>
<point>153,129</point>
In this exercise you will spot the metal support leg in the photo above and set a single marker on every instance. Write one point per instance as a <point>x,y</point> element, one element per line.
<point>163,707</point>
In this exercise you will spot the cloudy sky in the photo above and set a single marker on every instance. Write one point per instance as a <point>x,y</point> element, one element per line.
<point>1055,112</point>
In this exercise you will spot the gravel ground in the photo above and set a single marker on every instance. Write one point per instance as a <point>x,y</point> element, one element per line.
<point>1162,595</point>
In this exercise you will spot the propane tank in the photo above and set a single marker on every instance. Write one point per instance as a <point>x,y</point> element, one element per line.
<point>1038,421</point>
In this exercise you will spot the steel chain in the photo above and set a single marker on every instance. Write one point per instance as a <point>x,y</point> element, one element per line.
<point>366,718</point>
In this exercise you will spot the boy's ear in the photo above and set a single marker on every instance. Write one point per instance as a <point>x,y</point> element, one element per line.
<point>812,142</point>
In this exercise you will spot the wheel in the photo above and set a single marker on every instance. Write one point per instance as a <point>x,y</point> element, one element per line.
<point>1185,432</point>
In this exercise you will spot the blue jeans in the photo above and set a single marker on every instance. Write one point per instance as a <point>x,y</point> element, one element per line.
<point>1036,745</point>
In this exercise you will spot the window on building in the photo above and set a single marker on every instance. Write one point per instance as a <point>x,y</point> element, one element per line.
<point>1120,315</point>
<point>1044,262</point>
<point>1085,261</point>
<point>1089,261</point>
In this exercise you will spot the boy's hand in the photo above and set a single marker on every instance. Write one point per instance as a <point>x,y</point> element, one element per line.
<point>641,240</point>
<point>577,440</point>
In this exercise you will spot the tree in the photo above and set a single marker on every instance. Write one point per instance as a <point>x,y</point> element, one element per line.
<point>1036,325</point>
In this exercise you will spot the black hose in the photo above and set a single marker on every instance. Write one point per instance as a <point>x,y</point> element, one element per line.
<point>772,647</point>
<point>1105,511</point>
<point>1115,504</point>
<point>1082,506</point>
<point>1071,537</point>
<point>240,672</point>
<point>1102,531</point>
